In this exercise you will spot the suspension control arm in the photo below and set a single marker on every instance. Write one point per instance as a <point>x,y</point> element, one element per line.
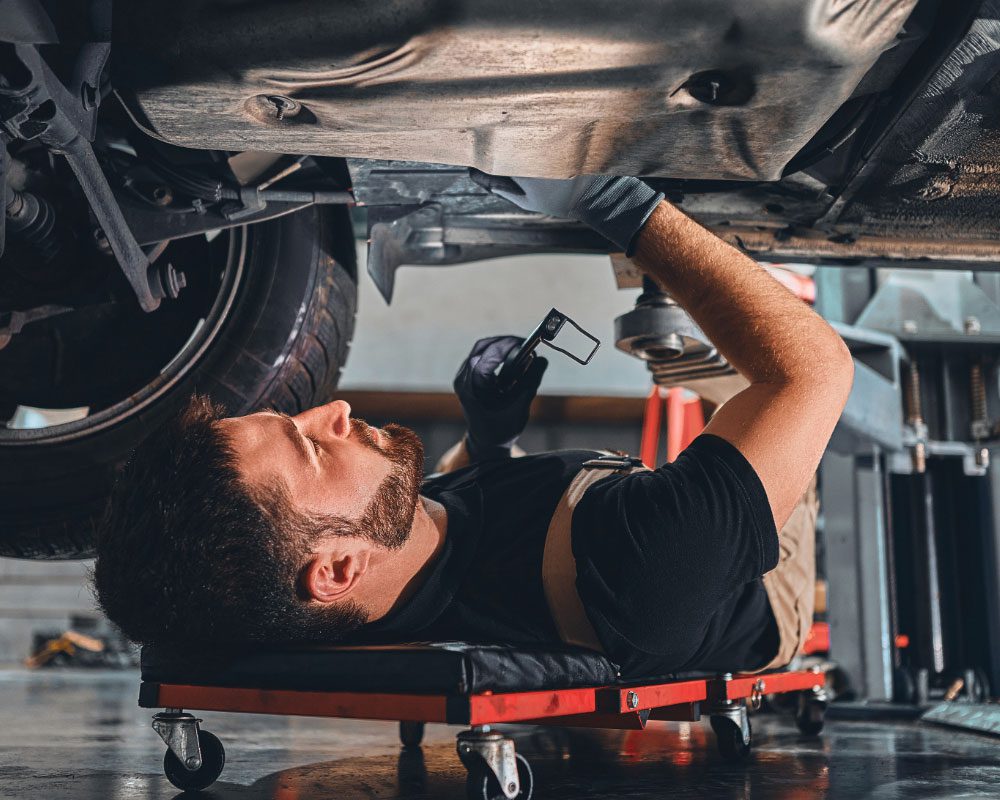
<point>39,107</point>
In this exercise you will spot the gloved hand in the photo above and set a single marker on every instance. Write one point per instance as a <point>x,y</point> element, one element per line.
<point>616,208</point>
<point>495,419</point>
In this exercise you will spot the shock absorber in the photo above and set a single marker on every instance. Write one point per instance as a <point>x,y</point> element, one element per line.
<point>32,220</point>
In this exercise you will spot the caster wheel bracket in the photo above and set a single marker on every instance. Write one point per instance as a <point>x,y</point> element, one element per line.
<point>737,714</point>
<point>497,752</point>
<point>179,732</point>
<point>821,694</point>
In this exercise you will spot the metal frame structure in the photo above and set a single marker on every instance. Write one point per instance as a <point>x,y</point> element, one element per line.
<point>908,498</point>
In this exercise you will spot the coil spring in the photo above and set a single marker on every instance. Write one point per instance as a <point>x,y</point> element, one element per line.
<point>977,387</point>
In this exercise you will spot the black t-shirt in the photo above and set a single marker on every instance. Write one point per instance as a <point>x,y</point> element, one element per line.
<point>668,561</point>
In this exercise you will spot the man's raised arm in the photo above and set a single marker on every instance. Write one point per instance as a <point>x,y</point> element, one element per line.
<point>799,369</point>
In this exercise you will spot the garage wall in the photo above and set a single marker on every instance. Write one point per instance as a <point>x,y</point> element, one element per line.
<point>37,596</point>
<point>437,313</point>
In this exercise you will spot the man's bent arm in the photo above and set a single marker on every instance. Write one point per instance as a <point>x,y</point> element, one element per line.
<point>800,370</point>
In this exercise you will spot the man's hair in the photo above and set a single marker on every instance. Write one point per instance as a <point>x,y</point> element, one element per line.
<point>190,553</point>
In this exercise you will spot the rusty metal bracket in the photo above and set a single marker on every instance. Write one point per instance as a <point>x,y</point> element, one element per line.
<point>179,732</point>
<point>496,751</point>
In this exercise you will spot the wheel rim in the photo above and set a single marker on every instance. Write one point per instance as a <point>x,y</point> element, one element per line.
<point>175,370</point>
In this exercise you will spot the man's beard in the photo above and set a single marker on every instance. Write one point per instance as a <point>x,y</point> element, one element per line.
<point>389,517</point>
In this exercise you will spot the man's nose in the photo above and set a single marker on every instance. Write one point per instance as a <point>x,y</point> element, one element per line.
<point>331,419</point>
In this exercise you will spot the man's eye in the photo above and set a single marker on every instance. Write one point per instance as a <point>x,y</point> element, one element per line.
<point>315,444</point>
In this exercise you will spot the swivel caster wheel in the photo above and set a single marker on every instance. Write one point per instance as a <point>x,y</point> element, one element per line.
<point>213,759</point>
<point>411,734</point>
<point>482,784</point>
<point>729,738</point>
<point>810,715</point>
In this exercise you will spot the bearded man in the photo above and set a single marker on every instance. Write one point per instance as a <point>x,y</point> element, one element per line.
<point>319,528</point>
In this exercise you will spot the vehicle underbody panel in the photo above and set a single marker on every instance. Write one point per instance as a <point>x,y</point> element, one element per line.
<point>706,89</point>
<point>838,131</point>
<point>937,173</point>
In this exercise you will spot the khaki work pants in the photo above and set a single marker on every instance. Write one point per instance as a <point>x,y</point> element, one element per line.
<point>791,586</point>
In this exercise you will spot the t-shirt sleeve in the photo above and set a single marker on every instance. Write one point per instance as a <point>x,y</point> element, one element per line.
<point>658,552</point>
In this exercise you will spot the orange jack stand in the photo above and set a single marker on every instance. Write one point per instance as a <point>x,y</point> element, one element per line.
<point>685,421</point>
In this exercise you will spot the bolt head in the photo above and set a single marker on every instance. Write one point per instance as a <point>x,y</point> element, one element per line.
<point>173,281</point>
<point>101,240</point>
<point>283,106</point>
<point>511,787</point>
<point>909,326</point>
<point>271,108</point>
<point>632,699</point>
<point>972,325</point>
<point>715,87</point>
<point>192,762</point>
<point>161,195</point>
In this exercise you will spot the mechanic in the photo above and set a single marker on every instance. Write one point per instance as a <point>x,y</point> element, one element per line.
<point>317,527</point>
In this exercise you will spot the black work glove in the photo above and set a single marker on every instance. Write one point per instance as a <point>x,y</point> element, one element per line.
<point>615,207</point>
<point>495,419</point>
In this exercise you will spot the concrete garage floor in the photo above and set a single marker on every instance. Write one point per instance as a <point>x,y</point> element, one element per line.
<point>81,735</point>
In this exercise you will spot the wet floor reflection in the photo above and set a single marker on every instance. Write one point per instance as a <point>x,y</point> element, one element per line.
<point>77,737</point>
<point>855,761</point>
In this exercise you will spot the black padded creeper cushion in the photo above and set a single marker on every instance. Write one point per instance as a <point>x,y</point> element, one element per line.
<point>420,668</point>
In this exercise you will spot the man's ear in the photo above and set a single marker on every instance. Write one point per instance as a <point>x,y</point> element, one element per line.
<point>333,572</point>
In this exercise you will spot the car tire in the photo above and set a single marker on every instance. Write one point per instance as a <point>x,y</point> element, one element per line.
<point>281,343</point>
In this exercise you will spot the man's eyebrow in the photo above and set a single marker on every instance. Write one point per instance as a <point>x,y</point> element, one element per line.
<point>293,433</point>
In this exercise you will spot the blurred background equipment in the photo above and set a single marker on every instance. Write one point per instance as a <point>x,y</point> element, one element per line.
<point>89,642</point>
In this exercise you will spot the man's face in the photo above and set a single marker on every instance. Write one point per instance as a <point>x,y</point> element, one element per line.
<point>333,465</point>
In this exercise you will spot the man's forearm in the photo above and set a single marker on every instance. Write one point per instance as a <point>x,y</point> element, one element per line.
<point>759,326</point>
